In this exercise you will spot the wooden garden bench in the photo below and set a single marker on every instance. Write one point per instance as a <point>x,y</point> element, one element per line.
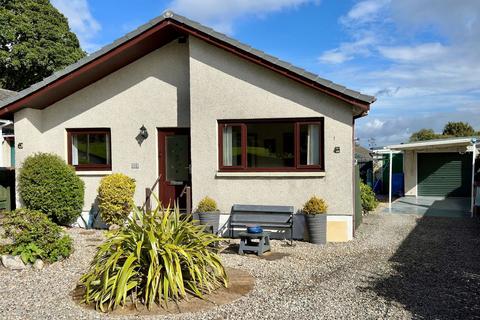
<point>268,217</point>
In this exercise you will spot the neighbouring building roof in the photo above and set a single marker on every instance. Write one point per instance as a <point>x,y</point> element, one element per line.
<point>436,143</point>
<point>147,38</point>
<point>362,154</point>
<point>4,94</point>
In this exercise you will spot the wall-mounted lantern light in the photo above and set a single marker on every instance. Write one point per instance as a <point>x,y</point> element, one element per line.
<point>142,135</point>
<point>143,132</point>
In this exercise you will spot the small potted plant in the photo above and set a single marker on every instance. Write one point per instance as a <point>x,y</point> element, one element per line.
<point>314,210</point>
<point>208,213</point>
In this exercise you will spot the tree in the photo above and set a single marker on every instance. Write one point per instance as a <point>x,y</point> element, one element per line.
<point>35,41</point>
<point>423,134</point>
<point>458,129</point>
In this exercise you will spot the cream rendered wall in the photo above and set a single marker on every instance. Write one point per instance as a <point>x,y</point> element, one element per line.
<point>410,172</point>
<point>152,91</point>
<point>6,155</point>
<point>28,135</point>
<point>224,86</point>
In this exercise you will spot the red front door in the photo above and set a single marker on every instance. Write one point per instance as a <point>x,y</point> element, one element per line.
<point>174,164</point>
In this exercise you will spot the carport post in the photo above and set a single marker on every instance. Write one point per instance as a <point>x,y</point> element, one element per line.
<point>474,156</point>
<point>390,181</point>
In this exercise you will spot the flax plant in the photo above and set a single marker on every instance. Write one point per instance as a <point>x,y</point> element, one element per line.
<point>155,258</point>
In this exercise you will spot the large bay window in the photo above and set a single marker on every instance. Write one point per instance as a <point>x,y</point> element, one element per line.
<point>271,145</point>
<point>89,149</point>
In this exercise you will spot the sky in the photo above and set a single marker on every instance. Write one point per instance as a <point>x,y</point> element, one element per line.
<point>420,58</point>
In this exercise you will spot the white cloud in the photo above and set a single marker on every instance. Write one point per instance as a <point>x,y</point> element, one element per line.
<point>456,19</point>
<point>221,15</point>
<point>375,124</point>
<point>357,22</point>
<point>395,129</point>
<point>334,56</point>
<point>364,11</point>
<point>423,65</point>
<point>81,21</point>
<point>425,51</point>
<point>348,50</point>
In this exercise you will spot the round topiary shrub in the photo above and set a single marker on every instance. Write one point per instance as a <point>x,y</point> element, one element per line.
<point>46,183</point>
<point>115,198</point>
<point>34,237</point>
<point>207,204</point>
<point>315,206</point>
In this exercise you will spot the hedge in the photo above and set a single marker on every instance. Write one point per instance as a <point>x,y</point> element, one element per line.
<point>48,184</point>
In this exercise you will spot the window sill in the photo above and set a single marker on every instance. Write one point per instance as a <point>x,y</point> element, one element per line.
<point>93,173</point>
<point>298,174</point>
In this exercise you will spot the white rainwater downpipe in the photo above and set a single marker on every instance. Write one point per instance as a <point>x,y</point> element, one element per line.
<point>390,181</point>
<point>3,123</point>
<point>474,156</point>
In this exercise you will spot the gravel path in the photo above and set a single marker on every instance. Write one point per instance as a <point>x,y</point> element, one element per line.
<point>398,267</point>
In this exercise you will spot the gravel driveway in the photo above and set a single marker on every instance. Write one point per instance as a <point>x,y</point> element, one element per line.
<point>398,266</point>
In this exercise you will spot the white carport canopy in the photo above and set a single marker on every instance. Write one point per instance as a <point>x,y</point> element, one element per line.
<point>471,144</point>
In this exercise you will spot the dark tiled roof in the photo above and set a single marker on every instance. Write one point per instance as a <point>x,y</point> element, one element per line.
<point>220,36</point>
<point>362,154</point>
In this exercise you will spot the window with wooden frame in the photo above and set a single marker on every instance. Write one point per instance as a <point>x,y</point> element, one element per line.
<point>89,149</point>
<point>271,145</point>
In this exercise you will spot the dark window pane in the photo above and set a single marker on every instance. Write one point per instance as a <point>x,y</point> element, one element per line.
<point>270,145</point>
<point>310,144</point>
<point>232,146</point>
<point>97,148</point>
<point>176,161</point>
<point>90,148</point>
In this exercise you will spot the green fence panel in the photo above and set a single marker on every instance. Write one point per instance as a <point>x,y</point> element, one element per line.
<point>7,185</point>
<point>358,199</point>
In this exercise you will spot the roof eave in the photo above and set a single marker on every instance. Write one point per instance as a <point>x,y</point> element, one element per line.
<point>461,142</point>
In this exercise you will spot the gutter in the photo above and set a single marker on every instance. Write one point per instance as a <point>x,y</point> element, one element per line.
<point>360,115</point>
<point>475,144</point>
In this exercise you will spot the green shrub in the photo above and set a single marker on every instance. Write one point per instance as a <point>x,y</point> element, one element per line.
<point>156,257</point>
<point>369,201</point>
<point>315,206</point>
<point>207,204</point>
<point>115,198</point>
<point>35,237</point>
<point>48,184</point>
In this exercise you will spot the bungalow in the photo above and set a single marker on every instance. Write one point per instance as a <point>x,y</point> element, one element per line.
<point>177,100</point>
